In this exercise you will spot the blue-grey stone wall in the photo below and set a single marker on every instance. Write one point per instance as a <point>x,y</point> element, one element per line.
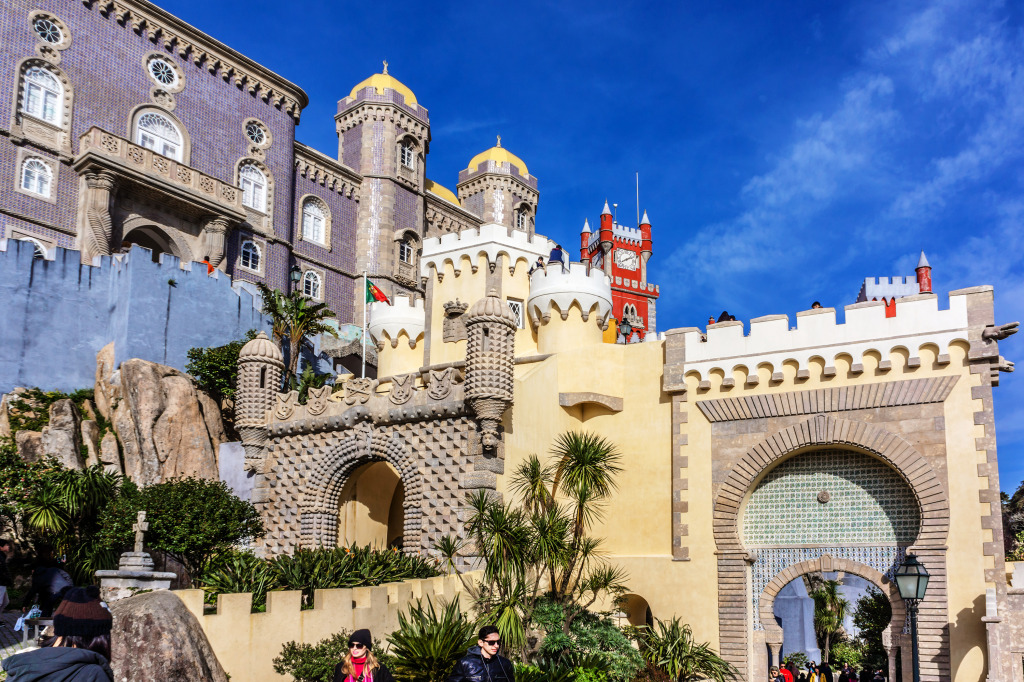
<point>57,314</point>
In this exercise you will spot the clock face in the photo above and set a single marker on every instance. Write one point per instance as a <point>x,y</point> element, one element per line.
<point>627,260</point>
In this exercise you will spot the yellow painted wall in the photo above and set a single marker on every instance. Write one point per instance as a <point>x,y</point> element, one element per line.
<point>401,359</point>
<point>366,506</point>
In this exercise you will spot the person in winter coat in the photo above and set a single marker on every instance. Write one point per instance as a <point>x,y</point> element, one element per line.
<point>482,662</point>
<point>79,651</point>
<point>359,664</point>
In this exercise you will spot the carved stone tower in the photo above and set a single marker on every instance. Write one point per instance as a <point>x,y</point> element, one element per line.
<point>384,134</point>
<point>490,351</point>
<point>497,187</point>
<point>260,367</point>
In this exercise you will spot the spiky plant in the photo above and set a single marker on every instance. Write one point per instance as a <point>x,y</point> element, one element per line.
<point>428,643</point>
<point>671,647</point>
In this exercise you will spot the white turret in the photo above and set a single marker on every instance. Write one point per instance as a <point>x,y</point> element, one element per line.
<point>387,324</point>
<point>569,308</point>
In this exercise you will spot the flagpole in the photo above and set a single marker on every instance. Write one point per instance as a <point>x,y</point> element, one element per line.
<point>365,288</point>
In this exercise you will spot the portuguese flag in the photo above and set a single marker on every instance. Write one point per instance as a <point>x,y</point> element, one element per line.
<point>373,293</point>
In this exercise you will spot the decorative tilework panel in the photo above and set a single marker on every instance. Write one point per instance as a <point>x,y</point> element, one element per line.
<point>772,561</point>
<point>831,497</point>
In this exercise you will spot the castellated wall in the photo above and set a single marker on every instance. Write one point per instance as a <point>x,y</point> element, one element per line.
<point>57,314</point>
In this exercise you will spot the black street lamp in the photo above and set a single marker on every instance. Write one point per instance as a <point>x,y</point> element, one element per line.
<point>295,275</point>
<point>912,581</point>
<point>625,328</point>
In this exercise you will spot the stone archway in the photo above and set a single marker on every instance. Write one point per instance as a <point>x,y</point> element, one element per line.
<point>826,564</point>
<point>736,561</point>
<point>319,522</point>
<point>155,239</point>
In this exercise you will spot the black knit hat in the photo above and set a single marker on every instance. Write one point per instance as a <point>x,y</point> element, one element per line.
<point>82,614</point>
<point>363,637</point>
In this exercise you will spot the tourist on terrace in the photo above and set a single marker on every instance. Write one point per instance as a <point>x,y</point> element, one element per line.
<point>557,256</point>
<point>79,649</point>
<point>539,265</point>
<point>360,663</point>
<point>482,661</point>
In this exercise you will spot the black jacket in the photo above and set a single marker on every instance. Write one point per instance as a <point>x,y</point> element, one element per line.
<point>58,664</point>
<point>381,674</point>
<point>474,668</point>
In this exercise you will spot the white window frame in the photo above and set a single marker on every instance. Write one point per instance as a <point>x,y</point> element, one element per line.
<point>314,222</point>
<point>43,97</point>
<point>519,310</point>
<point>407,154</point>
<point>521,219</point>
<point>41,173</point>
<point>254,250</point>
<point>159,141</point>
<point>253,183</point>
<point>406,253</point>
<point>311,279</point>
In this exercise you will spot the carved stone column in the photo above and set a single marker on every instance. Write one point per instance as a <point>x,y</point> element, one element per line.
<point>100,187</point>
<point>891,650</point>
<point>215,232</point>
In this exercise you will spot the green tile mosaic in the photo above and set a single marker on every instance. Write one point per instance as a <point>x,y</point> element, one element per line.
<point>867,503</point>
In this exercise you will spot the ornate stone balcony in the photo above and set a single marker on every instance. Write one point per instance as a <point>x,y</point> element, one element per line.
<point>195,193</point>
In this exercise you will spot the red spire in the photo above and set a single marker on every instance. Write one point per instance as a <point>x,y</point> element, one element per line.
<point>924,275</point>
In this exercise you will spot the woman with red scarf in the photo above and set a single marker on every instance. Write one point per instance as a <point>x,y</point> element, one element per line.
<point>359,664</point>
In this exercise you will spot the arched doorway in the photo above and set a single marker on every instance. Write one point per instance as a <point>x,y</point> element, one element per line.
<point>635,610</point>
<point>152,238</point>
<point>370,507</point>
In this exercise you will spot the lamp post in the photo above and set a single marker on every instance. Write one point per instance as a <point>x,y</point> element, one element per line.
<point>625,328</point>
<point>912,581</point>
<point>295,275</point>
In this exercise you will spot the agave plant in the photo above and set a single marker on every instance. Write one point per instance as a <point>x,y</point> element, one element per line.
<point>238,572</point>
<point>428,643</point>
<point>670,646</point>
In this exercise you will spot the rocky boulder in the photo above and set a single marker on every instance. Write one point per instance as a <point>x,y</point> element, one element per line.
<point>91,441</point>
<point>157,639</point>
<point>62,437</point>
<point>168,428</point>
<point>30,445</point>
<point>110,454</point>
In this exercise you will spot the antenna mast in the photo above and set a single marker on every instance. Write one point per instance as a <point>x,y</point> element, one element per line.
<point>638,198</point>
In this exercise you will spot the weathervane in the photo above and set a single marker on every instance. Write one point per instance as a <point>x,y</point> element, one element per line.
<point>499,141</point>
<point>385,67</point>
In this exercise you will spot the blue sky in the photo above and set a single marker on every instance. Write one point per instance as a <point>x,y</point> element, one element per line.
<point>785,150</point>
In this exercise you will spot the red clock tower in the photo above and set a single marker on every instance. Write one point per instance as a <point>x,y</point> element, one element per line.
<point>622,252</point>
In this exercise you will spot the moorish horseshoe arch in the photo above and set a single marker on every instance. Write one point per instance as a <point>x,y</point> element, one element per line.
<point>821,430</point>
<point>323,491</point>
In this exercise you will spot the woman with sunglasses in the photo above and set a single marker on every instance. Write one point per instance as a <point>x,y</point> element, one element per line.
<point>359,664</point>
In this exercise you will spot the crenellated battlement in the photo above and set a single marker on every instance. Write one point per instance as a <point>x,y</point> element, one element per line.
<point>589,288</point>
<point>630,235</point>
<point>877,288</point>
<point>388,321</point>
<point>490,240</point>
<point>772,342</point>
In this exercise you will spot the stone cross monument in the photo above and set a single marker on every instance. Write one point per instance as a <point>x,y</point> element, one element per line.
<point>135,570</point>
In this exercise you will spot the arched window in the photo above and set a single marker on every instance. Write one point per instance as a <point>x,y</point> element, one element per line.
<point>250,256</point>
<point>36,177</point>
<point>406,252</point>
<point>157,132</point>
<point>408,154</point>
<point>39,251</point>
<point>313,221</point>
<point>311,284</point>
<point>43,95</point>
<point>522,219</point>
<point>254,187</point>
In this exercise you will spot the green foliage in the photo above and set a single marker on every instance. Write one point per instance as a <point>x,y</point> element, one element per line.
<point>871,616</point>
<point>191,519</point>
<point>311,569</point>
<point>829,613</point>
<point>1017,552</point>
<point>316,662</point>
<point>294,318</point>
<point>428,643</point>
<point>30,410</point>
<point>307,380</point>
<point>591,636</point>
<point>544,537</point>
<point>18,480</point>
<point>216,369</point>
<point>799,659</point>
<point>670,647</point>
<point>847,653</point>
<point>535,673</point>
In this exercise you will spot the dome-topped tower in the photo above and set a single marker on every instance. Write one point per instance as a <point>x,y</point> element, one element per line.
<point>260,367</point>
<point>498,187</point>
<point>384,135</point>
<point>490,353</point>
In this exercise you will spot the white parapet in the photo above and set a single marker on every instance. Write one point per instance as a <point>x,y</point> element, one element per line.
<point>490,240</point>
<point>589,288</point>
<point>391,320</point>
<point>771,341</point>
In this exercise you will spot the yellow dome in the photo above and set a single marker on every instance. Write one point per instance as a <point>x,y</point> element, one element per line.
<point>499,154</point>
<point>441,191</point>
<point>383,80</point>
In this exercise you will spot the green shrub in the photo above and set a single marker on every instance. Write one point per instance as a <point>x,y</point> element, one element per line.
<point>316,662</point>
<point>30,410</point>
<point>308,570</point>
<point>191,519</point>
<point>670,647</point>
<point>594,642</point>
<point>215,369</point>
<point>799,659</point>
<point>846,652</point>
<point>427,644</point>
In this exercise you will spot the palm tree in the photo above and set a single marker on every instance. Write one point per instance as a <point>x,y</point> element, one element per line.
<point>671,648</point>
<point>294,318</point>
<point>829,613</point>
